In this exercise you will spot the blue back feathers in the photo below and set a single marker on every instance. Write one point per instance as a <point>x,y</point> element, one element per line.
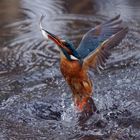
<point>70,46</point>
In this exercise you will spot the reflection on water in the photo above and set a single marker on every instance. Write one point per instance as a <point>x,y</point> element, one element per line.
<point>35,102</point>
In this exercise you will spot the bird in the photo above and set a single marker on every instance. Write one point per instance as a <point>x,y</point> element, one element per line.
<point>92,52</point>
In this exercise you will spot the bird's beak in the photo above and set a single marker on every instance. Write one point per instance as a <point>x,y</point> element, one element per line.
<point>47,35</point>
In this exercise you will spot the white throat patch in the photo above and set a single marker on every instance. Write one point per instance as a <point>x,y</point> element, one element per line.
<point>73,57</point>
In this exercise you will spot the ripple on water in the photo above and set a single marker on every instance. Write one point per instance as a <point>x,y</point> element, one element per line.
<point>34,96</point>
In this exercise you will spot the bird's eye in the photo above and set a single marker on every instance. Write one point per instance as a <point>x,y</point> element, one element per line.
<point>65,43</point>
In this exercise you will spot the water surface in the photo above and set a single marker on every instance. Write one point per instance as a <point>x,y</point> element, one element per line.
<point>35,101</point>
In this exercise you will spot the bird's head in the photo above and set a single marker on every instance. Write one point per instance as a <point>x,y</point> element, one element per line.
<point>65,46</point>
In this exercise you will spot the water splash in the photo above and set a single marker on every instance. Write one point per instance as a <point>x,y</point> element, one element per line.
<point>34,97</point>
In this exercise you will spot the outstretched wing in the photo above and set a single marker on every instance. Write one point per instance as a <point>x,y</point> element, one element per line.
<point>98,58</point>
<point>95,45</point>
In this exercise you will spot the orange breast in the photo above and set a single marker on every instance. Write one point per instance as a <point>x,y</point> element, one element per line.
<point>70,68</point>
<point>78,80</point>
<point>76,77</point>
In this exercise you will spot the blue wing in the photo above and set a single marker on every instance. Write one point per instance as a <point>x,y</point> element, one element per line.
<point>96,36</point>
<point>97,58</point>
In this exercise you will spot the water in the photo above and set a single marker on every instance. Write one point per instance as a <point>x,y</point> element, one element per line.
<point>35,101</point>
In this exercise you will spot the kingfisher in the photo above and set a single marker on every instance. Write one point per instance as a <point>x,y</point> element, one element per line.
<point>92,52</point>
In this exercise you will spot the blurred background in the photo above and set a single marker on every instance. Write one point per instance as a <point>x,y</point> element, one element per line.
<point>35,101</point>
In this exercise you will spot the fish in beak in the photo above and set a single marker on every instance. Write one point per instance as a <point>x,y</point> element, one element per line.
<point>47,35</point>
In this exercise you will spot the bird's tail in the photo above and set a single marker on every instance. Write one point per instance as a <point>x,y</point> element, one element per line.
<point>86,106</point>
